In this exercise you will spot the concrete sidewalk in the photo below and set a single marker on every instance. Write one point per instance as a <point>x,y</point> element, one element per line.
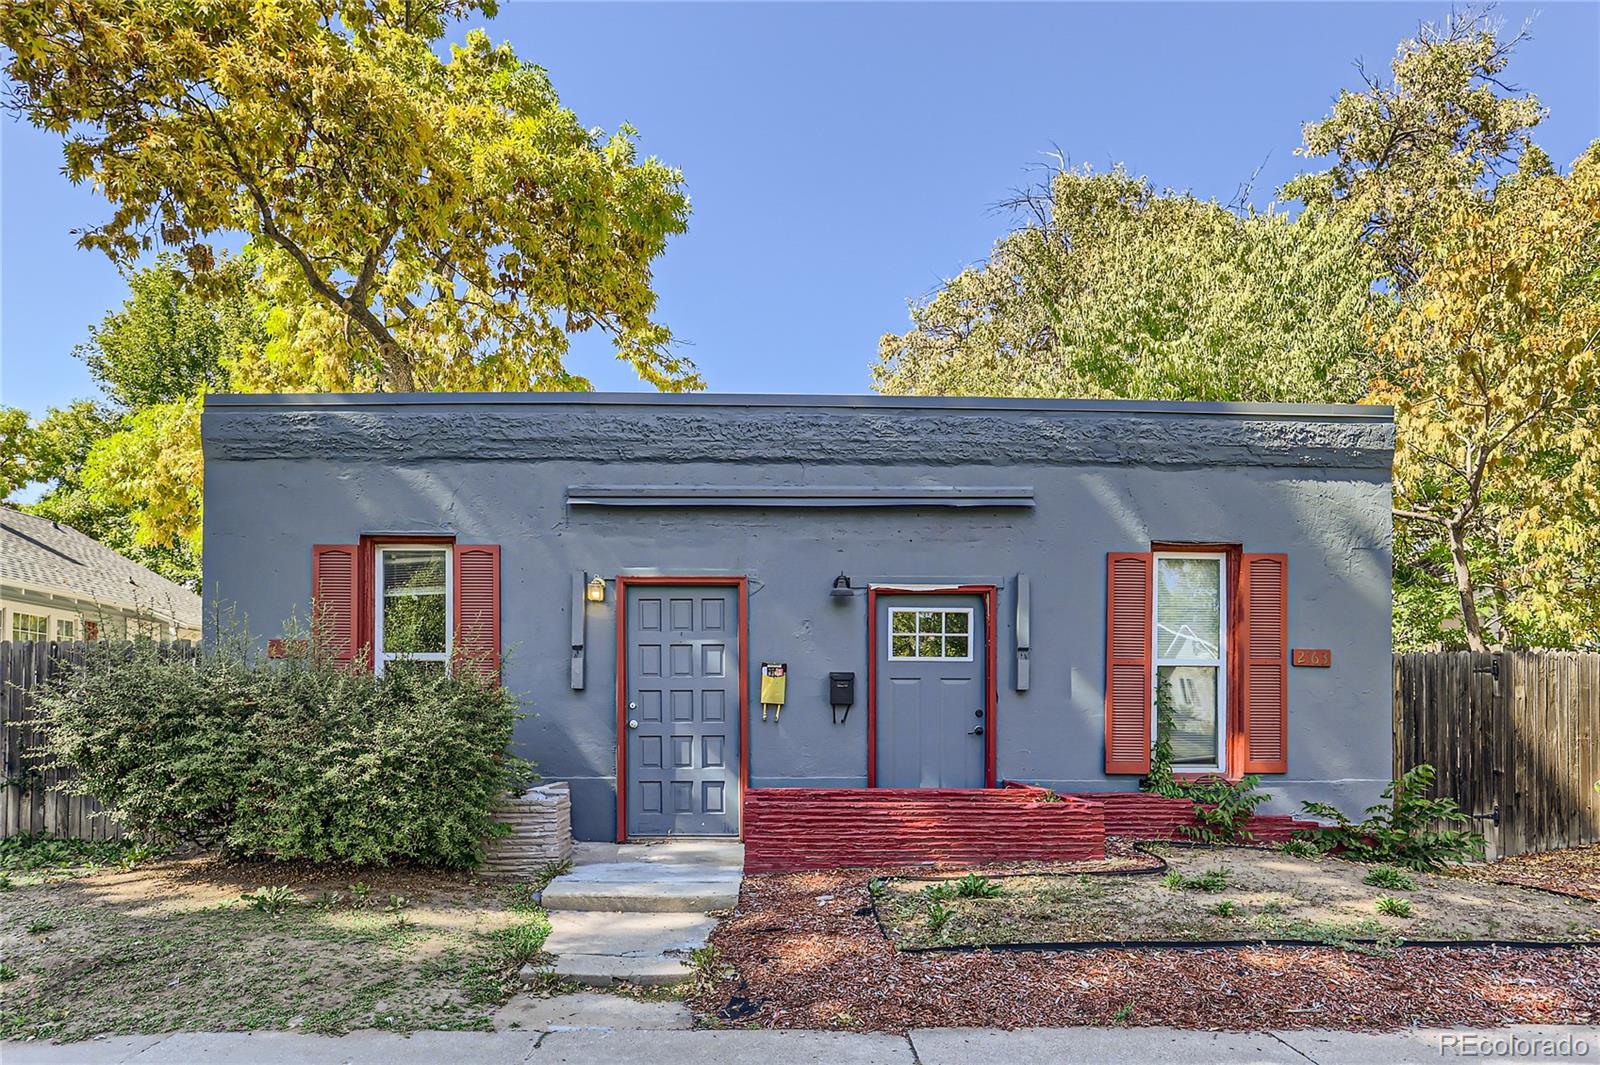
<point>583,1045</point>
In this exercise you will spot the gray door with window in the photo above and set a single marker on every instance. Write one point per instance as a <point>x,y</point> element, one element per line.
<point>932,692</point>
<point>683,711</point>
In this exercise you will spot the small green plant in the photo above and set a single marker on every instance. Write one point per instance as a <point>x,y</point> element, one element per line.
<point>40,927</point>
<point>938,916</point>
<point>709,968</point>
<point>1226,908</point>
<point>940,892</point>
<point>360,894</point>
<point>1402,831</point>
<point>1211,881</point>
<point>521,943</point>
<point>397,904</point>
<point>1390,906</point>
<point>523,897</point>
<point>1124,1014</point>
<point>1222,808</point>
<point>328,901</point>
<point>1299,848</point>
<point>549,872</point>
<point>1274,909</point>
<point>5,882</point>
<point>274,900</point>
<point>8,972</point>
<point>877,889</point>
<point>1387,876</point>
<point>973,886</point>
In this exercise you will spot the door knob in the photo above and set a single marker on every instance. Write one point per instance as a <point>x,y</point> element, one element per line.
<point>633,722</point>
<point>977,731</point>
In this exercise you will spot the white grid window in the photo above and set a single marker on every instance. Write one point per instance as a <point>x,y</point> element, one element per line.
<point>412,615</point>
<point>1191,611</point>
<point>29,626</point>
<point>66,629</point>
<point>930,633</point>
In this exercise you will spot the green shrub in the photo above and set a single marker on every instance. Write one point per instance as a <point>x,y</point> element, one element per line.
<point>1391,906</point>
<point>300,758</point>
<point>973,886</point>
<point>1222,808</point>
<point>938,916</point>
<point>1402,831</point>
<point>1387,876</point>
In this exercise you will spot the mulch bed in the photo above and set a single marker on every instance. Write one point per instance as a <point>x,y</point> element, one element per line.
<point>1574,871</point>
<point>805,952</point>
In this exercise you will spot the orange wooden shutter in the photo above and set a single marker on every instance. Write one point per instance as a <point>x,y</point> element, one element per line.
<point>333,597</point>
<point>1128,662</point>
<point>477,614</point>
<point>1265,638</point>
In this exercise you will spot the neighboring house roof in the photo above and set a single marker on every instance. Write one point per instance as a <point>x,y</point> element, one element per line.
<point>39,554</point>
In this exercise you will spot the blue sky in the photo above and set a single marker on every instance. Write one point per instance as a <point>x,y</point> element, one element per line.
<point>843,158</point>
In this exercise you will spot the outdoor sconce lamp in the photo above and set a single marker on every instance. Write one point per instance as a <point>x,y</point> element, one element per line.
<point>841,587</point>
<point>595,590</point>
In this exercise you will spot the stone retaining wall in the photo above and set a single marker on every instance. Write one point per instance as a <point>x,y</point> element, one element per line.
<point>541,832</point>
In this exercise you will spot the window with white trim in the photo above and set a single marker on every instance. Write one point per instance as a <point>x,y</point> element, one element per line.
<point>1190,656</point>
<point>412,615</point>
<point>66,629</point>
<point>29,626</point>
<point>930,633</point>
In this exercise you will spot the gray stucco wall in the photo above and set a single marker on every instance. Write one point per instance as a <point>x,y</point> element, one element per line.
<point>283,473</point>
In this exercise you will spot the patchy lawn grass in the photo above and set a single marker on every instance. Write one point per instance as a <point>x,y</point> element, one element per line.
<point>205,945</point>
<point>1230,893</point>
<point>804,950</point>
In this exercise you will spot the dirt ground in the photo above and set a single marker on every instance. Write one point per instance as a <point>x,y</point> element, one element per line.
<point>805,951</point>
<point>173,945</point>
<point>1256,895</point>
<point>1574,871</point>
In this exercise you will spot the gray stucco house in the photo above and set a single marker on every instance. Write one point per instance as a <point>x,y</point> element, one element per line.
<point>951,593</point>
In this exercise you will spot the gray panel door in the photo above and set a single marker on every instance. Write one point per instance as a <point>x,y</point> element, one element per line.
<point>932,694</point>
<point>683,713</point>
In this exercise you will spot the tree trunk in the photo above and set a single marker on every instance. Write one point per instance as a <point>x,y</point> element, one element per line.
<point>1470,622</point>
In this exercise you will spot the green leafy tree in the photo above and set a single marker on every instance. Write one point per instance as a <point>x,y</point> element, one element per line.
<point>170,341</point>
<point>1406,151</point>
<point>1113,289</point>
<point>420,222</point>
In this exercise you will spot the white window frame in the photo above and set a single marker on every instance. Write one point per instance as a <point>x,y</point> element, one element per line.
<point>1157,660</point>
<point>379,655</point>
<point>70,623</point>
<point>914,610</point>
<point>17,615</point>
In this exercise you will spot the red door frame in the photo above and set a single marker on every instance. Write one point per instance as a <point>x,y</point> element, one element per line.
<point>623,584</point>
<point>991,596</point>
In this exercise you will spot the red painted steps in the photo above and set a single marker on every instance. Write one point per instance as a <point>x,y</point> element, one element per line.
<point>796,829</point>
<point>793,829</point>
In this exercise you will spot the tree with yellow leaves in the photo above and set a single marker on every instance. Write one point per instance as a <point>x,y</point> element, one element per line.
<point>1493,366</point>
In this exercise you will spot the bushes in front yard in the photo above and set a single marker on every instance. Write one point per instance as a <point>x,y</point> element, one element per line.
<point>1409,829</point>
<point>299,758</point>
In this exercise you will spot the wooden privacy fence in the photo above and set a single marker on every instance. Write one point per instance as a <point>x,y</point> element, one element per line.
<point>32,804</point>
<point>1514,733</point>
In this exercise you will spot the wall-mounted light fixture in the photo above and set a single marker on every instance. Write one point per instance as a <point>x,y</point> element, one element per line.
<point>595,591</point>
<point>841,587</point>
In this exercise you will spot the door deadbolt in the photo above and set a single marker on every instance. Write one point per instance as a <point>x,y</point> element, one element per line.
<point>633,706</point>
<point>633,722</point>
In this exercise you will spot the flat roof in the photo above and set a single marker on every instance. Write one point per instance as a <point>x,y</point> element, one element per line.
<point>1360,412</point>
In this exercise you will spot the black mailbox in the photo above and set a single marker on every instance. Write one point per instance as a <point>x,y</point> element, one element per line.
<point>841,692</point>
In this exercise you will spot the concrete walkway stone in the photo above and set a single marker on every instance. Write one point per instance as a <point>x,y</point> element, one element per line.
<point>590,1010</point>
<point>631,913</point>
<point>619,1044</point>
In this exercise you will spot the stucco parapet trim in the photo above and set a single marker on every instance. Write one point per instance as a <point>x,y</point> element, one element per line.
<point>608,429</point>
